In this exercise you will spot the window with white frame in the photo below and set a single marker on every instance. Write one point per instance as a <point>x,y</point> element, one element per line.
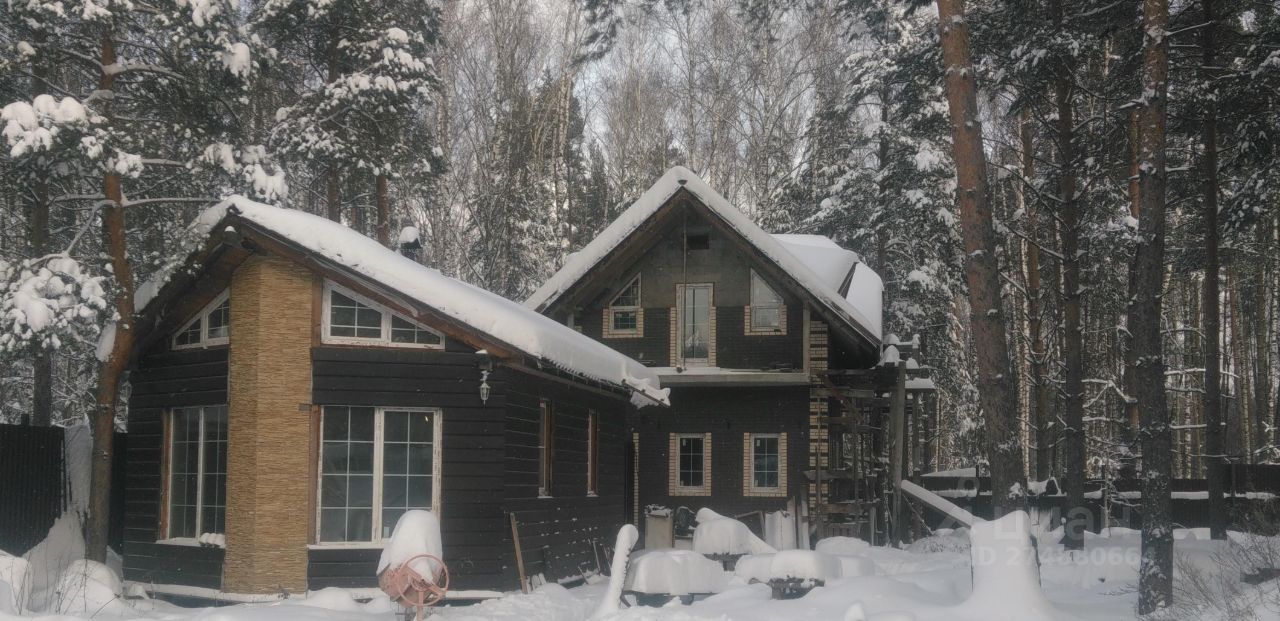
<point>375,464</point>
<point>211,326</point>
<point>197,482</point>
<point>766,311</point>
<point>690,468</point>
<point>765,468</point>
<point>624,315</point>
<point>696,336</point>
<point>350,318</point>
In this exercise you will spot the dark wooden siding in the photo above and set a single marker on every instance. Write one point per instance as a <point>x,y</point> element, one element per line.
<point>727,413</point>
<point>476,534</point>
<point>558,534</point>
<point>737,350</point>
<point>160,381</point>
<point>653,349</point>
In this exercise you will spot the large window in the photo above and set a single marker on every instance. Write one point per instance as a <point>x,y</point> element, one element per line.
<point>690,464</point>
<point>375,464</point>
<point>624,317</point>
<point>211,326</point>
<point>353,319</point>
<point>546,445</point>
<point>695,338</point>
<point>766,311</point>
<point>766,464</point>
<point>197,485</point>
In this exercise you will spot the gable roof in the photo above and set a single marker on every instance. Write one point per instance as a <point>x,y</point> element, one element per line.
<point>840,284</point>
<point>495,318</point>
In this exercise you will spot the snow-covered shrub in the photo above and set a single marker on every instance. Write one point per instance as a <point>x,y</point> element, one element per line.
<point>89,587</point>
<point>942,541</point>
<point>1217,590</point>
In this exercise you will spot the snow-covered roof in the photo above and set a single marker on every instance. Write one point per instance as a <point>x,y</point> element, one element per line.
<point>814,261</point>
<point>491,315</point>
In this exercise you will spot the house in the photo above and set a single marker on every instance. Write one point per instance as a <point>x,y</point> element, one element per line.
<point>769,344</point>
<point>296,387</point>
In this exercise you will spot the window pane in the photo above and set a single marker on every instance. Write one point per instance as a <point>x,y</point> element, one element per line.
<point>184,472</point>
<point>691,456</point>
<point>395,458</point>
<point>350,318</point>
<point>762,294</point>
<point>629,296</point>
<point>334,458</point>
<point>764,317</point>
<point>219,320</point>
<point>395,426</point>
<point>333,525</point>
<point>420,459</point>
<point>189,336</point>
<point>395,491</point>
<point>335,423</point>
<point>389,519</point>
<point>405,331</point>
<point>362,424</point>
<point>359,524</point>
<point>420,429</point>
<point>368,318</point>
<point>624,319</point>
<point>333,490</point>
<point>695,323</point>
<point>360,491</point>
<point>361,460</point>
<point>419,492</point>
<point>343,316</point>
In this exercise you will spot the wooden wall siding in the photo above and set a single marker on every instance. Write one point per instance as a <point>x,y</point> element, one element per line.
<point>818,345</point>
<point>739,349</point>
<point>652,348</point>
<point>176,379</point>
<point>726,413</point>
<point>477,536</point>
<point>268,457</point>
<point>558,534</point>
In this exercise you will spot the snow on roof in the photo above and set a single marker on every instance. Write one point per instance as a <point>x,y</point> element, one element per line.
<point>812,260</point>
<point>489,314</point>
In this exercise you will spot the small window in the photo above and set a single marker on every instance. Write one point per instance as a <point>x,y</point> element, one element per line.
<point>375,464</point>
<point>197,485</point>
<point>690,455</point>
<point>593,454</point>
<point>766,306</point>
<point>766,467</point>
<point>624,312</point>
<point>698,241</point>
<point>210,327</point>
<point>352,319</point>
<point>546,445</point>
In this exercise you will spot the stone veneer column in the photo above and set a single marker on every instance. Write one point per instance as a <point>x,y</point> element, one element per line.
<point>268,462</point>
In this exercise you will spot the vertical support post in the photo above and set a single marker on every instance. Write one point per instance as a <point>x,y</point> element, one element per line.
<point>897,453</point>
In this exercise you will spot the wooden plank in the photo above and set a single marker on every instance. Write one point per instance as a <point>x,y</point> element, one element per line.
<point>515,540</point>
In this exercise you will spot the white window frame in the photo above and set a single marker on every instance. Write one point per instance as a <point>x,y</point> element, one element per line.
<point>749,467</point>
<point>681,291</point>
<point>382,341</point>
<point>168,475</point>
<point>637,309</point>
<point>779,307</point>
<point>203,318</point>
<point>676,489</point>
<point>437,426</point>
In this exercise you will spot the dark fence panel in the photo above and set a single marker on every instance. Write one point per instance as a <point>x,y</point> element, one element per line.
<point>32,485</point>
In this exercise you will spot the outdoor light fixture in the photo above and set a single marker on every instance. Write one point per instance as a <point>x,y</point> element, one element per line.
<point>486,366</point>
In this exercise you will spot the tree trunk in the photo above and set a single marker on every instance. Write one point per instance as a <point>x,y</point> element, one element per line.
<point>1135,211</point>
<point>1073,388</point>
<point>1035,312</point>
<point>1155,575</point>
<point>995,369</point>
<point>113,367</point>
<point>1212,323</point>
<point>384,210</point>
<point>42,365</point>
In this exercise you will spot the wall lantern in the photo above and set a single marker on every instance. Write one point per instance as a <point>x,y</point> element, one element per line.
<point>486,366</point>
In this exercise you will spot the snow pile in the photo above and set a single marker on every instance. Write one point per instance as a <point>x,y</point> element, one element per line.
<point>214,540</point>
<point>675,572</point>
<point>1006,573</point>
<point>829,262</point>
<point>416,532</point>
<point>781,252</point>
<point>789,564</point>
<point>494,316</point>
<point>627,537</point>
<point>943,540</point>
<point>63,546</point>
<point>15,584</point>
<point>842,546</point>
<point>717,534</point>
<point>780,530</point>
<point>89,587</point>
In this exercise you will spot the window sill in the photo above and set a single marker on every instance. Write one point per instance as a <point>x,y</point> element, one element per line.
<point>354,545</point>
<point>690,491</point>
<point>186,542</point>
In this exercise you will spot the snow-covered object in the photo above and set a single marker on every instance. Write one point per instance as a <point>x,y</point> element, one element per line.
<point>789,564</point>
<point>675,572</point>
<point>717,534</point>
<point>46,300</point>
<point>866,293</point>
<point>855,566</point>
<point>416,532</point>
<point>780,253</point>
<point>15,584</point>
<point>839,546</point>
<point>780,530</point>
<point>1006,573</point>
<point>939,503</point>
<point>627,537</point>
<point>89,587</point>
<point>828,260</point>
<point>63,546</point>
<point>216,540</point>
<point>408,235</point>
<point>490,314</point>
<point>890,356</point>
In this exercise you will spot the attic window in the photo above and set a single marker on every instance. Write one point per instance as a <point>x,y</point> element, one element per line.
<point>352,319</point>
<point>697,241</point>
<point>210,327</point>
<point>766,311</point>
<point>625,317</point>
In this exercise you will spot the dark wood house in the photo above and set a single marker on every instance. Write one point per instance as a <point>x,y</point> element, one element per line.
<point>296,387</point>
<point>769,344</point>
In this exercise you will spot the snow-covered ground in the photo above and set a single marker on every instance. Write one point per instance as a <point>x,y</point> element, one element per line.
<point>928,580</point>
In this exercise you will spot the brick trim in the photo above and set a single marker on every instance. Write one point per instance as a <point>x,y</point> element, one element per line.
<point>748,459</point>
<point>673,466</point>
<point>749,330</point>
